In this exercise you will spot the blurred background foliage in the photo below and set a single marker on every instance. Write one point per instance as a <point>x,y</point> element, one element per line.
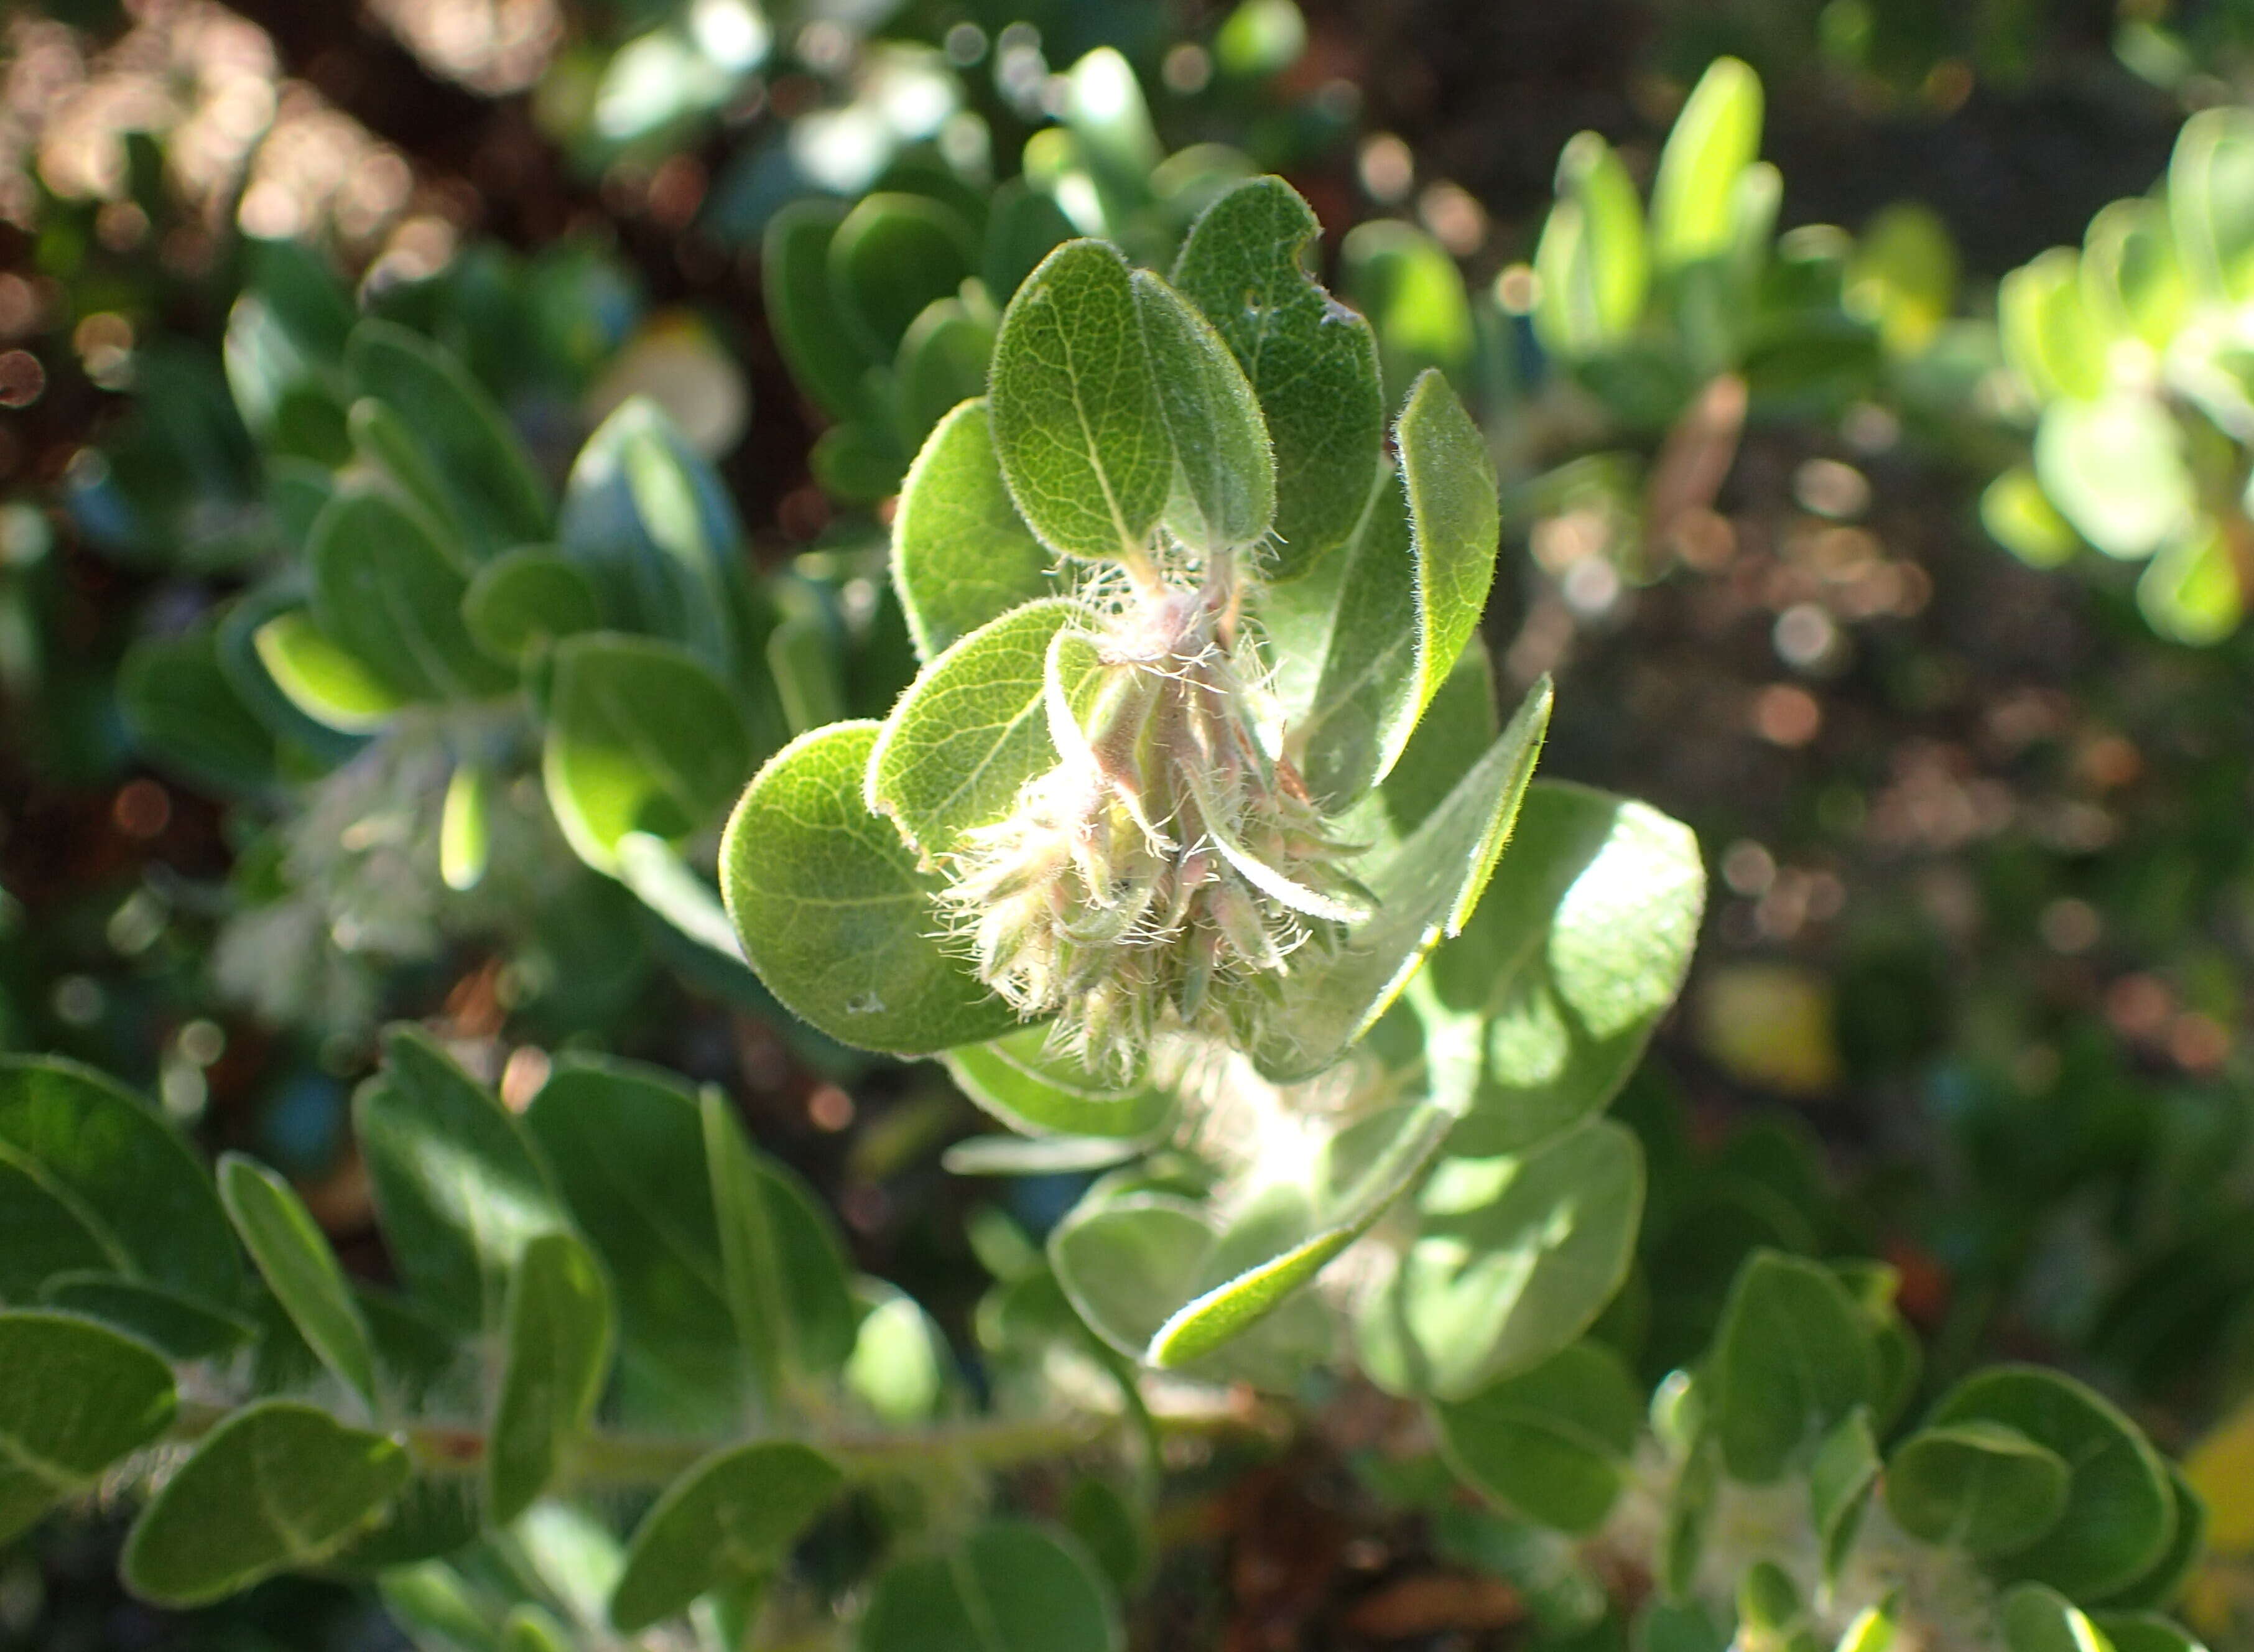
<point>1794,514</point>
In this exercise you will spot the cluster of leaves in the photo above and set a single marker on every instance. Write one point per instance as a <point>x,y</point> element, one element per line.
<point>885,310</point>
<point>1808,1367</point>
<point>1794,1505</point>
<point>2129,351</point>
<point>629,1376</point>
<point>426,628</point>
<point>613,1301</point>
<point>1237,386</point>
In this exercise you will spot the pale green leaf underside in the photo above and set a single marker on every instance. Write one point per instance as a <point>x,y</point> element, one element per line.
<point>326,682</point>
<point>1455,519</point>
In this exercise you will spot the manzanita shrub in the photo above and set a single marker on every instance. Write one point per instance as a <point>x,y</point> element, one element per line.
<point>1199,852</point>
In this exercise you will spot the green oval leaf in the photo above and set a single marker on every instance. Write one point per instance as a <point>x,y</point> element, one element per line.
<point>74,1397</point>
<point>1010,1585</point>
<point>1512,1258</point>
<point>1124,1263</point>
<point>44,1232</point>
<point>465,828</point>
<point>782,1263</point>
<point>2191,592</point>
<point>328,683</point>
<point>1426,887</point>
<point>1365,695</point>
<point>1552,1442</point>
<point>2037,1619</point>
<point>1977,1485</point>
<point>2210,199</point>
<point>971,730</point>
<point>253,682</point>
<point>1410,288</point>
<point>123,1174</point>
<point>901,1368</point>
<point>641,737</point>
<point>648,521</point>
<point>1077,423</point>
<point>943,361</point>
<point>1840,1481</point>
<point>385,592</point>
<point>890,256</point>
<point>2050,334</point>
<point>560,1332</point>
<point>385,444</point>
<point>2159,1585</point>
<point>1224,492</point>
<point>498,494</point>
<point>526,597</point>
<point>1714,139</point>
<point>833,913</point>
<point>2145,1632</point>
<point>961,556</point>
<point>1790,1358</point>
<point>1024,225</point>
<point>626,1145</point>
<point>458,1185</point>
<point>1311,363</point>
<point>729,1521</point>
<point>1592,260</point>
<point>2116,469</point>
<point>179,1327</point>
<point>1538,1013</point>
<point>824,354</point>
<point>1456,523</point>
<point>294,1258</point>
<point>277,1486</point>
<point>2120,1513</point>
<point>182,712</point>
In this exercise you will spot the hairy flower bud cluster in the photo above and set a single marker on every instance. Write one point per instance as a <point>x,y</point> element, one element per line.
<point>1169,870</point>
